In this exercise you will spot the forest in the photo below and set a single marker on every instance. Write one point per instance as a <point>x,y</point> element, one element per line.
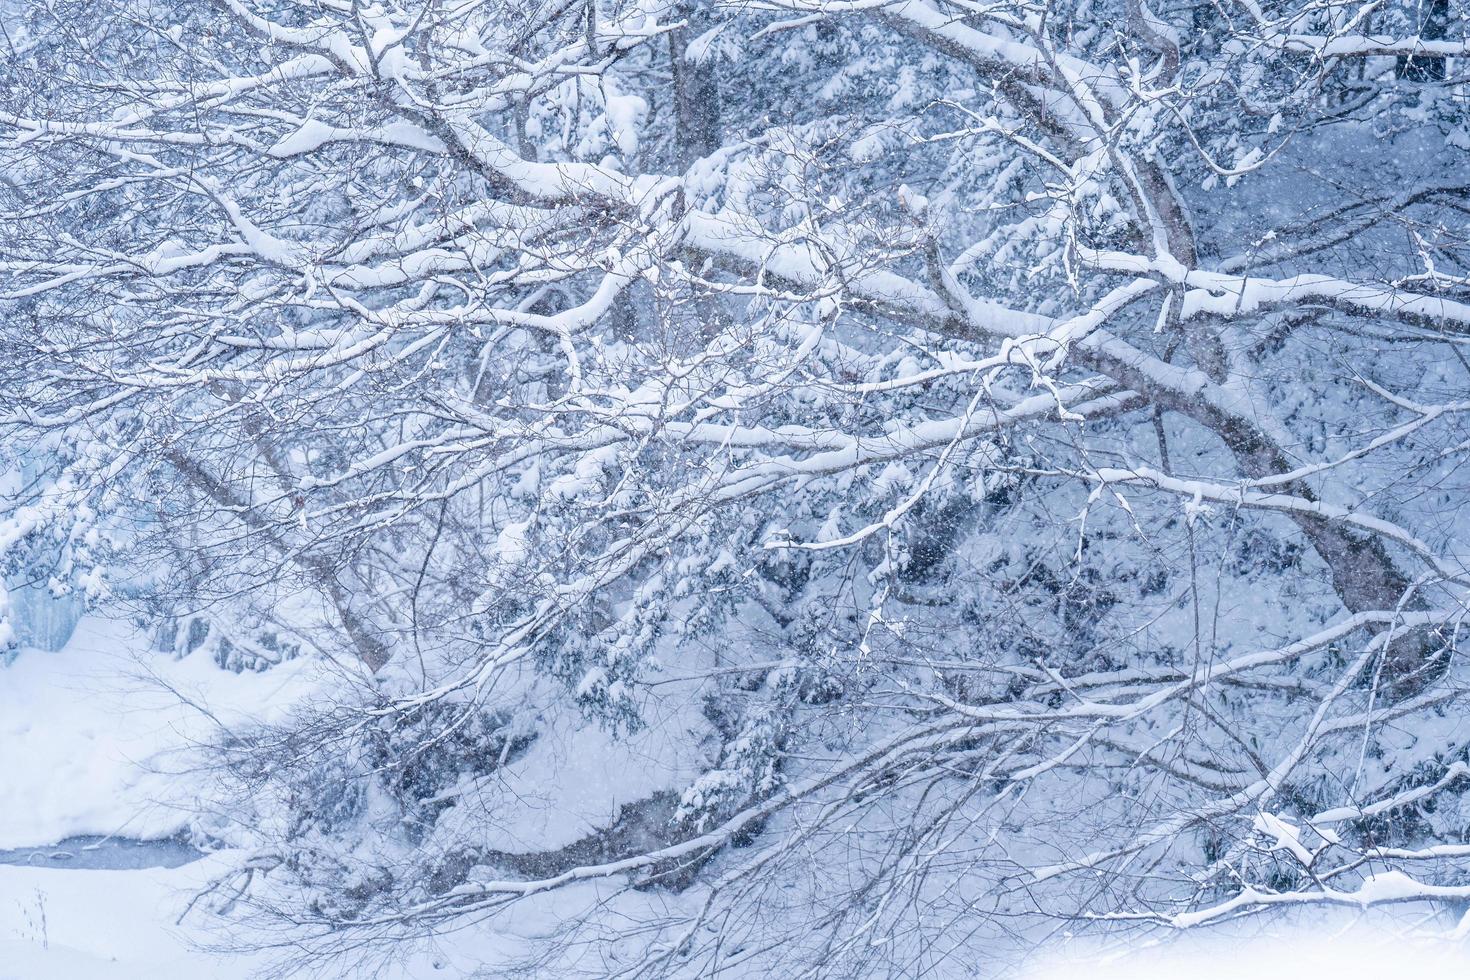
<point>723,488</point>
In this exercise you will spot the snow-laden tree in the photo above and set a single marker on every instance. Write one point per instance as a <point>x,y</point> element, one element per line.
<point>933,466</point>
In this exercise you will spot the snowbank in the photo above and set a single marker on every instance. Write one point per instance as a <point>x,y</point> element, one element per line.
<point>1379,945</point>
<point>105,925</point>
<point>92,741</point>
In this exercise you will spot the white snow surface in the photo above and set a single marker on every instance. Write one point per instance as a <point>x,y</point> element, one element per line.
<point>1376,945</point>
<point>106,925</point>
<point>92,741</point>
<point>123,925</point>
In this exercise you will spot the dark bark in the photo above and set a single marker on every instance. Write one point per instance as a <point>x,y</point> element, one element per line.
<point>1364,575</point>
<point>698,128</point>
<point>364,640</point>
<point>640,827</point>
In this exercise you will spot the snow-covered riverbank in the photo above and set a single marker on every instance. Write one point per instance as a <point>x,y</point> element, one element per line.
<point>65,924</point>
<point>97,750</point>
<point>100,738</point>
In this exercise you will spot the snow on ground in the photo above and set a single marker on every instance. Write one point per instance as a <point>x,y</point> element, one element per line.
<point>58,924</point>
<point>93,742</point>
<point>1413,941</point>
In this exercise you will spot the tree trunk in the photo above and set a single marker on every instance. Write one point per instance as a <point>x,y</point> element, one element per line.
<point>698,128</point>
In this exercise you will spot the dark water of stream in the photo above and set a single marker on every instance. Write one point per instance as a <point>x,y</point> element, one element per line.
<point>93,853</point>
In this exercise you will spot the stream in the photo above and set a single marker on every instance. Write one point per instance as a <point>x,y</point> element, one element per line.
<point>95,853</point>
